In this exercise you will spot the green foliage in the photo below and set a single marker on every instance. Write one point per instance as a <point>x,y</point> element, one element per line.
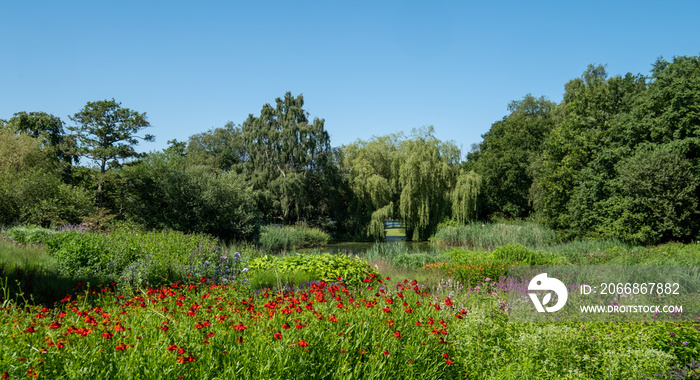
<point>415,260</point>
<point>479,267</point>
<point>464,197</point>
<point>289,162</point>
<point>31,188</point>
<point>106,134</point>
<point>130,256</point>
<point>49,130</point>
<point>491,235</point>
<point>506,152</point>
<point>217,203</point>
<point>323,267</point>
<point>30,234</point>
<point>291,237</point>
<point>220,148</point>
<point>426,173</point>
<point>271,279</point>
<point>518,254</point>
<point>622,160</point>
<point>79,254</point>
<point>404,178</point>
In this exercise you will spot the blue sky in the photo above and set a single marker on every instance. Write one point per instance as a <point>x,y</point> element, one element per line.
<point>366,67</point>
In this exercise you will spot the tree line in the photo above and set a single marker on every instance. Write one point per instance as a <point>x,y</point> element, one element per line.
<point>616,158</point>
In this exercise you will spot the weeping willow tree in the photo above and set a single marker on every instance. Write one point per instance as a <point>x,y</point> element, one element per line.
<point>427,172</point>
<point>464,197</point>
<point>370,169</point>
<point>398,177</point>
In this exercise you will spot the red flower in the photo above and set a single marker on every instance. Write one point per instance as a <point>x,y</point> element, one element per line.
<point>198,325</point>
<point>55,325</point>
<point>302,343</point>
<point>445,356</point>
<point>449,362</point>
<point>107,335</point>
<point>240,327</point>
<point>5,376</point>
<point>172,347</point>
<point>448,302</point>
<point>285,326</point>
<point>121,347</point>
<point>300,326</point>
<point>278,335</point>
<point>386,353</point>
<point>362,352</point>
<point>164,328</point>
<point>332,318</point>
<point>386,310</point>
<point>397,334</point>
<point>22,359</point>
<point>30,330</point>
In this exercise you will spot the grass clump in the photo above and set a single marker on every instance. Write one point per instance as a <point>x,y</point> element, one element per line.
<point>488,236</point>
<point>279,239</point>
<point>30,234</point>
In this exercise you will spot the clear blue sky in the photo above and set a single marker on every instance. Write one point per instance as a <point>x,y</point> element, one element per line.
<point>366,67</point>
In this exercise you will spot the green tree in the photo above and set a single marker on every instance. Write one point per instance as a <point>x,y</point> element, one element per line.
<point>371,171</point>
<point>49,130</point>
<point>31,188</point>
<point>165,190</point>
<point>465,197</point>
<point>287,158</point>
<point>656,198</point>
<point>220,148</point>
<point>503,157</point>
<point>427,171</point>
<point>106,133</point>
<point>592,106</point>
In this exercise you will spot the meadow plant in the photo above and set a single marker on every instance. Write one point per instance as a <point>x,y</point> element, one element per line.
<point>485,236</point>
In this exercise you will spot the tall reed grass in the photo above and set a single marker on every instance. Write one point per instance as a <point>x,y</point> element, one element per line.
<point>287,238</point>
<point>486,236</point>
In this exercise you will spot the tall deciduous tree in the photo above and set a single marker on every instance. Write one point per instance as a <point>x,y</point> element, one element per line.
<point>106,133</point>
<point>427,172</point>
<point>49,130</point>
<point>503,157</point>
<point>289,160</point>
